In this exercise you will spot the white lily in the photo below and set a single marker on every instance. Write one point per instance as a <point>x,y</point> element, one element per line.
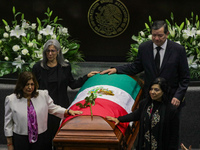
<point>140,41</point>
<point>18,62</point>
<point>189,32</point>
<point>53,36</point>
<point>172,31</point>
<point>150,37</point>
<point>65,50</point>
<point>142,34</point>
<point>190,60</point>
<point>7,28</point>
<point>39,54</point>
<point>198,32</point>
<point>47,31</point>
<point>17,32</point>
<point>25,25</point>
<point>178,42</point>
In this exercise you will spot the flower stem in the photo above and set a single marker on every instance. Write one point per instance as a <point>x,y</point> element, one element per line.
<point>91,111</point>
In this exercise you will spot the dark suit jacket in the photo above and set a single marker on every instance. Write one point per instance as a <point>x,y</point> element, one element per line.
<point>65,79</point>
<point>174,67</point>
<point>170,125</point>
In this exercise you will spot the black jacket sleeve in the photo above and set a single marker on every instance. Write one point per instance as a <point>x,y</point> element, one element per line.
<point>134,116</point>
<point>76,83</point>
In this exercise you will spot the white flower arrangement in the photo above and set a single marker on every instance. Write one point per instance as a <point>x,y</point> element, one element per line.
<point>186,34</point>
<point>21,44</point>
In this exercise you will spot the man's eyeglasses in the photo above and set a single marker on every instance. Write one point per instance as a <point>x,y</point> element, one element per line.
<point>52,51</point>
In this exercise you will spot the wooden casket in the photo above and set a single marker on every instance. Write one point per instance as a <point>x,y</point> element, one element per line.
<point>117,95</point>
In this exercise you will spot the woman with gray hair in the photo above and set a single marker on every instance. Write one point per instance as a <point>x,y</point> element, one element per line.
<point>47,58</point>
<point>54,74</point>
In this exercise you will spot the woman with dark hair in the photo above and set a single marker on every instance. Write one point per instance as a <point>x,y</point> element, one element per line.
<point>53,73</point>
<point>159,123</point>
<point>26,114</point>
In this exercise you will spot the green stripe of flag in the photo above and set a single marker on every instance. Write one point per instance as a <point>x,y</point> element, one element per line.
<point>121,81</point>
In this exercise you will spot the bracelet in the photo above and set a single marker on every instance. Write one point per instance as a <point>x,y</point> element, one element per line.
<point>68,111</point>
<point>9,144</point>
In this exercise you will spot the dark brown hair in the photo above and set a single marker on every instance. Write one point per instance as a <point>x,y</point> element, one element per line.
<point>23,78</point>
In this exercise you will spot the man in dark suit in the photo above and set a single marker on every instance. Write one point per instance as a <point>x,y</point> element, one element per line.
<point>172,63</point>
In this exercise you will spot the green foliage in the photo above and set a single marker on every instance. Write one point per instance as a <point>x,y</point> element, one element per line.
<point>195,72</point>
<point>89,101</point>
<point>21,43</point>
<point>186,34</point>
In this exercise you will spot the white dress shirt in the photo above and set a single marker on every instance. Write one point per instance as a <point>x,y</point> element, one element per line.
<point>162,51</point>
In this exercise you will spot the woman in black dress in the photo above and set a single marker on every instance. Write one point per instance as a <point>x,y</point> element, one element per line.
<point>159,123</point>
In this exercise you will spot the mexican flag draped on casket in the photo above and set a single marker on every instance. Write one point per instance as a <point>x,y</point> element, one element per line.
<point>116,94</point>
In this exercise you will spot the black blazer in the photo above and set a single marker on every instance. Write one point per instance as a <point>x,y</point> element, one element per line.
<point>65,79</point>
<point>174,67</point>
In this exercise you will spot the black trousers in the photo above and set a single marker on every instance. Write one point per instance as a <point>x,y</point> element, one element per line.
<point>21,142</point>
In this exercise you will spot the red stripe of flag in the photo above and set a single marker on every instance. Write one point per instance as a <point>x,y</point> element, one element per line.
<point>101,108</point>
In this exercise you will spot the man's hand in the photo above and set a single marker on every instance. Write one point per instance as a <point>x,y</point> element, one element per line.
<point>109,71</point>
<point>175,102</point>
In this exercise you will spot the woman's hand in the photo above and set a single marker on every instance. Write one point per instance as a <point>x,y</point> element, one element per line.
<point>113,119</point>
<point>184,148</point>
<point>92,73</point>
<point>72,112</point>
<point>10,147</point>
<point>9,143</point>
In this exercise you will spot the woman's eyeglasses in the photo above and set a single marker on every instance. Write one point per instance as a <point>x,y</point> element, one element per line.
<point>52,51</point>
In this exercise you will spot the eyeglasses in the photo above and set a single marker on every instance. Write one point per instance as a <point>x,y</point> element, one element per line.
<point>52,51</point>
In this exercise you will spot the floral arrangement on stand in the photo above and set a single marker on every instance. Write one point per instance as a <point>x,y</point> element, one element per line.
<point>186,34</point>
<point>21,44</point>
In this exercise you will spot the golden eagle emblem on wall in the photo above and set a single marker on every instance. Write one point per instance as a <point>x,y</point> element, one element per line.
<point>108,18</point>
